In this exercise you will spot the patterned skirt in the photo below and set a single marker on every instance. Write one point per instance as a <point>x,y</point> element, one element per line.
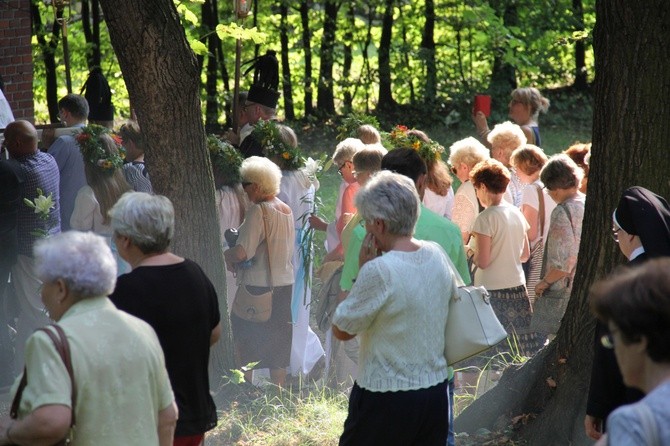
<point>512,306</point>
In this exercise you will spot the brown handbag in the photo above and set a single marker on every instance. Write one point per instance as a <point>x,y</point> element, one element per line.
<point>63,349</point>
<point>252,307</point>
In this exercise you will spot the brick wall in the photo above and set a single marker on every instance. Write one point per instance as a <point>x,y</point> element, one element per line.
<point>16,60</point>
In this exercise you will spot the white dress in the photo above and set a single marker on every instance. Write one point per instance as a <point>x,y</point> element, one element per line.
<point>298,192</point>
<point>87,216</point>
<point>441,205</point>
<point>230,207</point>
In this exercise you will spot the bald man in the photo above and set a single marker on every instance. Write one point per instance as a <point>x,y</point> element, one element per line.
<point>39,171</point>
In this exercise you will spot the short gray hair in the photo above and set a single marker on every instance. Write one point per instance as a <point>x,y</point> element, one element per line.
<point>392,198</point>
<point>506,136</point>
<point>83,260</point>
<point>469,151</point>
<point>147,220</point>
<point>346,150</point>
<point>262,172</point>
<point>561,172</point>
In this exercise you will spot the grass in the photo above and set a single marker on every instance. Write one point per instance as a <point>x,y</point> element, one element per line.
<point>312,415</point>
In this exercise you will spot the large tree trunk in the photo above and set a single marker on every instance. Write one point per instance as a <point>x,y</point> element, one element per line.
<point>630,137</point>
<point>210,19</point>
<point>90,20</point>
<point>386,101</point>
<point>307,49</point>
<point>325,101</point>
<point>162,77</point>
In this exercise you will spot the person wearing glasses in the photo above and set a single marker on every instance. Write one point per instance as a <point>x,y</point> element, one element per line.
<point>635,306</point>
<point>561,178</point>
<point>641,228</point>
<point>345,208</point>
<point>463,156</point>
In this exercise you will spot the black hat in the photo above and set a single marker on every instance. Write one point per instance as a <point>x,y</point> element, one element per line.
<point>643,213</point>
<point>264,90</point>
<point>99,96</point>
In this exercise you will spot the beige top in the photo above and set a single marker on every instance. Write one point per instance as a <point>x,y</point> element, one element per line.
<point>253,239</point>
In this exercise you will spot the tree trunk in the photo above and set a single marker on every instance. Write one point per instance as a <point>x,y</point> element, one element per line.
<point>162,77</point>
<point>287,87</point>
<point>305,6</point>
<point>210,20</point>
<point>581,75</point>
<point>503,74</point>
<point>386,101</point>
<point>48,50</point>
<point>365,46</point>
<point>90,20</point>
<point>428,52</point>
<point>347,101</point>
<point>325,101</point>
<point>630,128</point>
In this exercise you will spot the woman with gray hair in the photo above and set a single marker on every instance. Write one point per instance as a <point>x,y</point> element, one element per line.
<point>123,393</point>
<point>398,305</point>
<point>561,178</point>
<point>175,297</point>
<point>266,239</point>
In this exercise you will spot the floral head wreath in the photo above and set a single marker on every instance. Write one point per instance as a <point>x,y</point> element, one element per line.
<point>226,159</point>
<point>350,125</point>
<point>274,147</point>
<point>92,148</point>
<point>399,138</point>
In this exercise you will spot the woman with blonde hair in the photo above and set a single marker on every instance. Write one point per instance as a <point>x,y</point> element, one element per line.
<point>536,206</point>
<point>464,155</point>
<point>267,238</point>
<point>524,110</point>
<point>505,138</point>
<point>103,161</point>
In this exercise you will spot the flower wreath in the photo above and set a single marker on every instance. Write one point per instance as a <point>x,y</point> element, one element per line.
<point>350,125</point>
<point>92,150</point>
<point>399,138</point>
<point>226,159</point>
<point>274,147</point>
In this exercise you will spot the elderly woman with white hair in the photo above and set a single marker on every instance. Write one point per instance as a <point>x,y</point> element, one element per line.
<point>505,138</point>
<point>463,156</point>
<point>176,298</point>
<point>123,393</point>
<point>266,238</point>
<point>398,305</point>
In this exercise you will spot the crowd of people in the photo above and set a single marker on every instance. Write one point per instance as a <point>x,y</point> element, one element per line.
<point>92,253</point>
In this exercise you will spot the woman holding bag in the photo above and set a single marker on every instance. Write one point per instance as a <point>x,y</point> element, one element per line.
<point>536,206</point>
<point>561,178</point>
<point>266,238</point>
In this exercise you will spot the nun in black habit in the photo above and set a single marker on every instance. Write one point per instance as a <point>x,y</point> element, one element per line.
<point>641,227</point>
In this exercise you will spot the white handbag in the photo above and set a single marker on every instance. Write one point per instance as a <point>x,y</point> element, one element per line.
<point>472,325</point>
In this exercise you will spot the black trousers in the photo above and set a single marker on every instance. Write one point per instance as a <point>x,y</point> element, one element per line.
<point>413,417</point>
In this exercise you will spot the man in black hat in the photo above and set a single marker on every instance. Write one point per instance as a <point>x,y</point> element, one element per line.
<point>641,227</point>
<point>262,100</point>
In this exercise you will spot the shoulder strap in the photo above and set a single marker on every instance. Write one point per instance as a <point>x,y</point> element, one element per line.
<point>540,198</point>
<point>63,348</point>
<point>267,242</point>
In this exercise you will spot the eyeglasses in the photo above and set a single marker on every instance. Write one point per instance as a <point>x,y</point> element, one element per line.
<point>246,183</point>
<point>339,169</point>
<point>615,234</point>
<point>454,170</point>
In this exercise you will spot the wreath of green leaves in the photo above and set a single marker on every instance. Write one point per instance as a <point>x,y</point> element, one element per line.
<point>92,149</point>
<point>268,134</point>
<point>226,159</point>
<point>398,138</point>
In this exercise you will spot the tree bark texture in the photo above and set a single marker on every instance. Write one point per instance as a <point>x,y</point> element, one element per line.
<point>162,77</point>
<point>325,101</point>
<point>630,140</point>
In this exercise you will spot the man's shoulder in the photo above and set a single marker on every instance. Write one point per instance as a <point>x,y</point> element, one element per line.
<point>429,221</point>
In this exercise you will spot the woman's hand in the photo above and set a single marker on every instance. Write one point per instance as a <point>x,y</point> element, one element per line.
<point>369,250</point>
<point>480,123</point>
<point>541,287</point>
<point>317,223</point>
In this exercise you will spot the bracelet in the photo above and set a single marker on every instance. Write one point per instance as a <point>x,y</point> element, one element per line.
<point>484,133</point>
<point>7,433</point>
